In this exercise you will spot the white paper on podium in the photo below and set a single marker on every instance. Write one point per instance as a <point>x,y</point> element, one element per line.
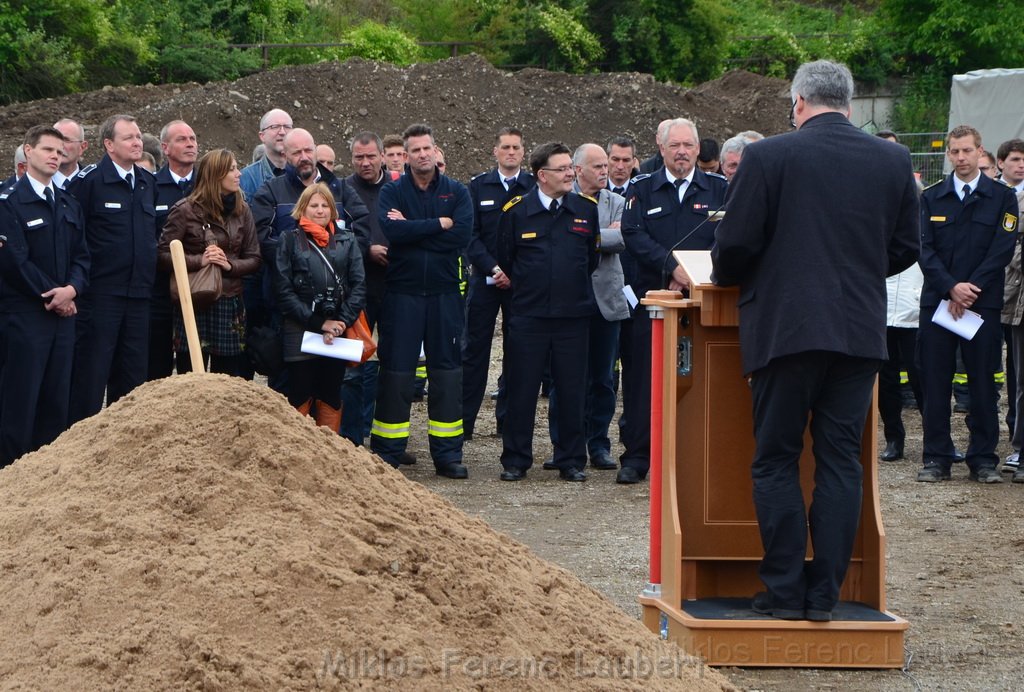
<point>342,349</point>
<point>965,327</point>
<point>696,263</point>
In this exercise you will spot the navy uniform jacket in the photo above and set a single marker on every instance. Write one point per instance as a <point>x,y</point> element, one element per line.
<point>654,221</point>
<point>816,219</point>
<point>423,258</point>
<point>273,202</point>
<point>489,197</point>
<point>120,229</point>
<point>44,249</point>
<point>167,193</point>
<point>368,193</point>
<point>550,257</point>
<point>970,241</point>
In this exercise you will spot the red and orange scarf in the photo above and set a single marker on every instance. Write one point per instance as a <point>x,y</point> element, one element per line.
<point>318,233</point>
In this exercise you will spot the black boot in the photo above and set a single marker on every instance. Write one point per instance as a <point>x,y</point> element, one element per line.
<point>893,451</point>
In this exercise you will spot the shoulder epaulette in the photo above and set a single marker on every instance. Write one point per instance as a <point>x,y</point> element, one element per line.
<point>588,197</point>
<point>512,202</point>
<point>479,175</point>
<point>1000,180</point>
<point>639,177</point>
<point>86,171</point>
<point>936,183</point>
<point>716,175</point>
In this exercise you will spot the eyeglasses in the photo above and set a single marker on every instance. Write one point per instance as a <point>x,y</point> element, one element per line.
<point>561,169</point>
<point>280,126</point>
<point>792,115</point>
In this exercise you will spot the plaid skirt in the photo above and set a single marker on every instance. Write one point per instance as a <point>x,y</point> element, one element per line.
<point>221,328</point>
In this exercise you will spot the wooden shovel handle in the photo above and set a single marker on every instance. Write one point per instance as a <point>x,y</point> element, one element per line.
<point>195,351</point>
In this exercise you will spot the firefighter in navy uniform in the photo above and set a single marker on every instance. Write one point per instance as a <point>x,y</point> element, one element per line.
<point>662,210</point>
<point>547,241</point>
<point>173,182</point>
<point>118,198</point>
<point>490,191</point>
<point>427,218</point>
<point>968,233</point>
<point>44,267</point>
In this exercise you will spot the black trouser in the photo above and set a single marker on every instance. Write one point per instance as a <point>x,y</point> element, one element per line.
<point>482,307</point>
<point>636,396</point>
<point>316,378</point>
<point>834,390</point>
<point>902,343</point>
<point>111,351</point>
<point>937,357</point>
<point>531,342</point>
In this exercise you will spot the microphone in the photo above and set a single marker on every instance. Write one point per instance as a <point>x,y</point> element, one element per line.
<point>675,246</point>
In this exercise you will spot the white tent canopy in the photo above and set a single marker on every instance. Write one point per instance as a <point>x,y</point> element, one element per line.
<point>992,101</point>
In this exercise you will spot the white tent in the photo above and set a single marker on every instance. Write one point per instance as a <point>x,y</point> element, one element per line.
<point>992,101</point>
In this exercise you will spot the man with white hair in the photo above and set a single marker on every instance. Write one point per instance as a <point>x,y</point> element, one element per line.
<point>665,210</point>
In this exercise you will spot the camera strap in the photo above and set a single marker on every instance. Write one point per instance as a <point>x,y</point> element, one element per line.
<point>327,263</point>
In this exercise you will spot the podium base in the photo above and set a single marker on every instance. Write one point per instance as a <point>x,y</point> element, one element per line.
<point>726,632</point>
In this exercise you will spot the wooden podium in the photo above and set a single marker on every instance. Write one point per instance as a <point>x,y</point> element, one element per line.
<point>710,545</point>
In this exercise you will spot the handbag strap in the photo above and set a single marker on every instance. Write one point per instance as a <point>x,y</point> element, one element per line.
<point>327,263</point>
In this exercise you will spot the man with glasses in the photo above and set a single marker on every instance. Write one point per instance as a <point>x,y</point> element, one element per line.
<point>274,126</point>
<point>74,146</point>
<point>547,244</point>
<point>665,210</point>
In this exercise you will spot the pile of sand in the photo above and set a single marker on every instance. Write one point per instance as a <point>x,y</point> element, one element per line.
<point>199,534</point>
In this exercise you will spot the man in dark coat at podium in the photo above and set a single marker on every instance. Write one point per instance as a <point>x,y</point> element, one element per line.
<point>815,221</point>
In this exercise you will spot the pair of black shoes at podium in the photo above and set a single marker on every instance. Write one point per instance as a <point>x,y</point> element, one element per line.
<point>764,604</point>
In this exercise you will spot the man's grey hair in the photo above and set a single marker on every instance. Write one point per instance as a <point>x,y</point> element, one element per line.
<point>734,145</point>
<point>823,83</point>
<point>580,155</point>
<point>677,122</point>
<point>69,121</point>
<point>265,120</point>
<point>750,135</point>
<point>165,131</point>
<point>19,156</point>
<point>367,137</point>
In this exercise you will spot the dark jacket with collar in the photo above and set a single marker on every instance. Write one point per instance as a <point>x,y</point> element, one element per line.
<point>368,193</point>
<point>273,202</point>
<point>655,220</point>
<point>966,241</point>
<point>45,247</point>
<point>816,219</point>
<point>549,257</point>
<point>120,228</point>
<point>423,258</point>
<point>489,196</point>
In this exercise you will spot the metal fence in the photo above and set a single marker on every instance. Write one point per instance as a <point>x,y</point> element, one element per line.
<point>927,153</point>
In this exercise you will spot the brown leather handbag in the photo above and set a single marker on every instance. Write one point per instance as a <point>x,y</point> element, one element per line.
<point>206,284</point>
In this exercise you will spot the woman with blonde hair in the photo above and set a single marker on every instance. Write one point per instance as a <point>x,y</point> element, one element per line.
<point>320,288</point>
<point>215,226</point>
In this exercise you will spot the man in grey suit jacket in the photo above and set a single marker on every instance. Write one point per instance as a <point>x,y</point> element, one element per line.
<point>591,164</point>
<point>815,221</point>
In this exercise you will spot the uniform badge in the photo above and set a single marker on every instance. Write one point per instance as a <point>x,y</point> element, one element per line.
<point>1009,223</point>
<point>697,206</point>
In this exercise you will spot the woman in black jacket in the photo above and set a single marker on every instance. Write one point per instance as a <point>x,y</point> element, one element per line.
<point>319,281</point>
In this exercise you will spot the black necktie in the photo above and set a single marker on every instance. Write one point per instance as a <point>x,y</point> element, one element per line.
<point>967,192</point>
<point>48,193</point>
<point>554,206</point>
<point>128,179</point>
<point>618,190</point>
<point>184,185</point>
<point>509,182</point>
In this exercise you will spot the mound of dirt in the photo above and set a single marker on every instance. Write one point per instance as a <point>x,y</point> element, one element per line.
<point>465,99</point>
<point>200,534</point>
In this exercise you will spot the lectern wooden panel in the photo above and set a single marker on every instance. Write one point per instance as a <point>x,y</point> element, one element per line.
<point>710,545</point>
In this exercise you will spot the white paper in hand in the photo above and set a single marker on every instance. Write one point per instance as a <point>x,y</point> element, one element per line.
<point>342,349</point>
<point>965,327</point>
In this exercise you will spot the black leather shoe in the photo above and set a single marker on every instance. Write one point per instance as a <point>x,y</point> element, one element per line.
<point>628,475</point>
<point>572,475</point>
<point>816,615</point>
<point>456,471</point>
<point>406,459</point>
<point>958,456</point>
<point>933,472</point>
<point>893,451</point>
<point>512,475</point>
<point>986,475</point>
<point>764,604</point>
<point>602,461</point>
<point>549,465</point>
